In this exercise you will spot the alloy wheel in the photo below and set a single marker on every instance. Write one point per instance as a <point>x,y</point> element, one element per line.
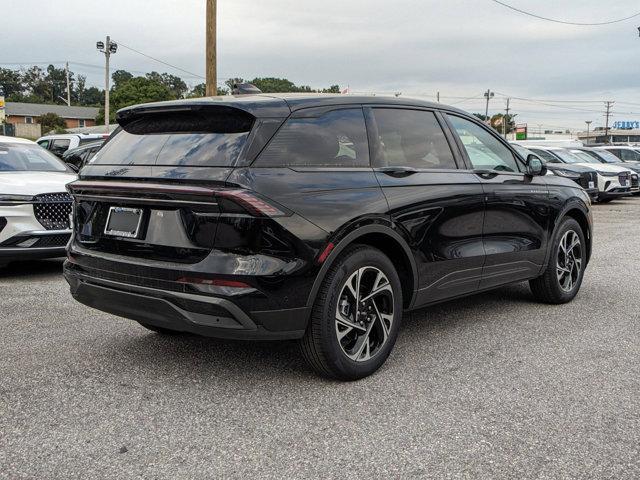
<point>569,262</point>
<point>364,314</point>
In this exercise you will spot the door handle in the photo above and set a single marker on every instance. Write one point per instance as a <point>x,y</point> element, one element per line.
<point>485,173</point>
<point>398,171</point>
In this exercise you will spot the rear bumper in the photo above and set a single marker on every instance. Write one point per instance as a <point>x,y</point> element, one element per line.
<point>215,317</point>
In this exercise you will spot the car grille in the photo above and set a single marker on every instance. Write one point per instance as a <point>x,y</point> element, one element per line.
<point>52,210</point>
<point>52,241</point>
<point>587,177</point>
<point>624,179</point>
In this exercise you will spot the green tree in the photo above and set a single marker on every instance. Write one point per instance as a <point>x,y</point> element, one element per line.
<point>200,91</point>
<point>11,82</point>
<point>120,77</point>
<point>52,122</point>
<point>175,84</point>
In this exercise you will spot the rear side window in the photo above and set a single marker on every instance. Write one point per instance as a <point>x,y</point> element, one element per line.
<point>334,139</point>
<point>630,155</point>
<point>213,138</point>
<point>411,138</point>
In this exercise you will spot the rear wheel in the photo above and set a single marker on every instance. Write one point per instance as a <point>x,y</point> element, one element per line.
<point>160,330</point>
<point>356,316</point>
<point>563,276</point>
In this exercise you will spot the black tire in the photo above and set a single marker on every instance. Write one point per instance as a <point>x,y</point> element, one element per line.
<point>548,288</point>
<point>160,330</point>
<point>322,349</point>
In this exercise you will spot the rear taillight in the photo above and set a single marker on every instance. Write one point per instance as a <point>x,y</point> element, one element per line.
<point>251,203</point>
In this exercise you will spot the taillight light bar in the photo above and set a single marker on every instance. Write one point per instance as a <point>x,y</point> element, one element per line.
<point>244,198</point>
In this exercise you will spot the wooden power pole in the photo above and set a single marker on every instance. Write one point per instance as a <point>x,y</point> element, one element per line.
<point>212,74</point>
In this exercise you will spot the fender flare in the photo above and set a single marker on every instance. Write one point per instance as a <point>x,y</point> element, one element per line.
<point>352,238</point>
<point>573,204</point>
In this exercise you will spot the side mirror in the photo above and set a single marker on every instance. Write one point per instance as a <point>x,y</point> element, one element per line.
<point>73,167</point>
<point>535,166</point>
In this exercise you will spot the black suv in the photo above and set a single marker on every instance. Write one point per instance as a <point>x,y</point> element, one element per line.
<point>319,218</point>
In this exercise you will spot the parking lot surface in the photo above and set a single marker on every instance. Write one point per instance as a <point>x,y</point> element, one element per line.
<point>492,386</point>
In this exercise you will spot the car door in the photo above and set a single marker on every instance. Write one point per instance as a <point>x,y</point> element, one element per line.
<point>437,206</point>
<point>517,215</point>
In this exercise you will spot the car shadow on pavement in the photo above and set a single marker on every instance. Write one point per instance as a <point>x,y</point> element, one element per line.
<point>32,268</point>
<point>202,357</point>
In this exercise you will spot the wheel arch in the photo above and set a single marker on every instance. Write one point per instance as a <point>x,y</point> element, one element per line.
<point>388,242</point>
<point>580,213</point>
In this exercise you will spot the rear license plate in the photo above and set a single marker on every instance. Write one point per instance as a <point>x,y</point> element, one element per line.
<point>123,222</point>
<point>592,184</point>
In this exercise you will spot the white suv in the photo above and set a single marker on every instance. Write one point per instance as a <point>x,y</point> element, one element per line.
<point>58,144</point>
<point>34,204</point>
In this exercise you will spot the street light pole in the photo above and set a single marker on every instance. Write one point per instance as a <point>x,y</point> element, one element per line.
<point>488,95</point>
<point>588,122</point>
<point>211,49</point>
<point>108,48</point>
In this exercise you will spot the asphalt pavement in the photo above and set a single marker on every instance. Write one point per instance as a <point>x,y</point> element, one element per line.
<point>492,386</point>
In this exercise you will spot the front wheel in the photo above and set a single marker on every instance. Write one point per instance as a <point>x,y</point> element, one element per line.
<point>563,276</point>
<point>356,317</point>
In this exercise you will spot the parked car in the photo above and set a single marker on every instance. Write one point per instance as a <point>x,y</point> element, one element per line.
<point>623,152</point>
<point>318,218</point>
<point>34,205</point>
<point>613,181</point>
<point>79,156</point>
<point>606,157</point>
<point>586,177</point>
<point>59,144</point>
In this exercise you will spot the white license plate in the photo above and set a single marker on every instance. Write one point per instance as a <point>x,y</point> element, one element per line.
<point>123,222</point>
<point>592,184</point>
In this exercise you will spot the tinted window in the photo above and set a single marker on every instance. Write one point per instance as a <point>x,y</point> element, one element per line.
<point>60,145</point>
<point>334,139</point>
<point>630,155</point>
<point>485,151</point>
<point>411,138</point>
<point>44,143</point>
<point>616,152</point>
<point>545,155</point>
<point>188,149</point>
<point>28,158</point>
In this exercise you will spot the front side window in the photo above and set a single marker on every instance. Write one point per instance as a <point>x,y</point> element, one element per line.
<point>545,155</point>
<point>333,139</point>
<point>28,158</point>
<point>44,143</point>
<point>484,150</point>
<point>411,138</point>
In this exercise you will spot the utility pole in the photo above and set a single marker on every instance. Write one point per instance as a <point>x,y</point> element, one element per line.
<point>211,49</point>
<point>505,120</point>
<point>68,85</point>
<point>108,48</point>
<point>488,95</point>
<point>438,97</point>
<point>609,105</point>
<point>588,122</point>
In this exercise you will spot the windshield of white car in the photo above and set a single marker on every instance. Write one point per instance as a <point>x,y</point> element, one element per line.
<point>606,156</point>
<point>16,157</point>
<point>568,157</point>
<point>584,156</point>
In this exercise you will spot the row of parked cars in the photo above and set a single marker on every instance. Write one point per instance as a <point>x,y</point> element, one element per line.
<point>605,172</point>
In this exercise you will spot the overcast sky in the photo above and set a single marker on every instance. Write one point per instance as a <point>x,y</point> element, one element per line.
<point>457,47</point>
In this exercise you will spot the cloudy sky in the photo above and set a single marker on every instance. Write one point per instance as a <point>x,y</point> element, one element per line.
<point>417,47</point>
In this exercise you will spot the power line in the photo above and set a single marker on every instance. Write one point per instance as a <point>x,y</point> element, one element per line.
<point>566,22</point>
<point>159,61</point>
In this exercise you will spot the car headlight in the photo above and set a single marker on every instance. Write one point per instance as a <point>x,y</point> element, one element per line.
<point>15,199</point>
<point>608,174</point>
<point>566,173</point>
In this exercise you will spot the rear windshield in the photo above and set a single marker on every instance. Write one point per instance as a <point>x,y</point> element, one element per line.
<point>28,158</point>
<point>203,139</point>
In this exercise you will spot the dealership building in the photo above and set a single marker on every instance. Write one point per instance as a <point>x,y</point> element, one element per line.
<point>624,131</point>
